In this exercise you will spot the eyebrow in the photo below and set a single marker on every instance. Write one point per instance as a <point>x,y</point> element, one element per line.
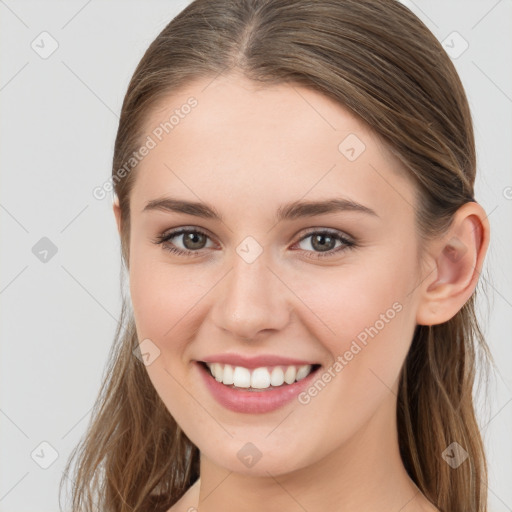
<point>289,211</point>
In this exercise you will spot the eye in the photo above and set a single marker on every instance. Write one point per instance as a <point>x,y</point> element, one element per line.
<point>193,241</point>
<point>325,241</point>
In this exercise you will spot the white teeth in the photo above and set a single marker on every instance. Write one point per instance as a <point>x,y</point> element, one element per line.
<point>258,378</point>
<point>241,377</point>
<point>277,376</point>
<point>303,371</point>
<point>290,374</point>
<point>217,371</point>
<point>227,376</point>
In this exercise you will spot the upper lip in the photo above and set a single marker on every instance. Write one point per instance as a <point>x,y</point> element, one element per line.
<point>255,361</point>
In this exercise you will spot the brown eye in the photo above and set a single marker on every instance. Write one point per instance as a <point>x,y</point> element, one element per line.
<point>194,240</point>
<point>323,243</point>
<point>191,240</point>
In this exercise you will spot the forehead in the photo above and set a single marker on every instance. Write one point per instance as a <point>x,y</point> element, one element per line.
<point>227,140</point>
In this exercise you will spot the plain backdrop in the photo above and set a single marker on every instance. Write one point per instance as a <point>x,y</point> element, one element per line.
<point>64,70</point>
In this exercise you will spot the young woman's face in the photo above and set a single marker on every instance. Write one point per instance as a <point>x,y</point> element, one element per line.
<point>333,285</point>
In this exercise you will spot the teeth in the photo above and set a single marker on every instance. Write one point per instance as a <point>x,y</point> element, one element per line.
<point>217,371</point>
<point>290,374</point>
<point>258,378</point>
<point>303,371</point>
<point>277,376</point>
<point>241,377</point>
<point>227,376</point>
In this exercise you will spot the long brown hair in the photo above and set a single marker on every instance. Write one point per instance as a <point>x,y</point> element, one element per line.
<point>379,60</point>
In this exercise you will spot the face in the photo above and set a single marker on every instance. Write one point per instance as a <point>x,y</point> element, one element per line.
<point>332,287</point>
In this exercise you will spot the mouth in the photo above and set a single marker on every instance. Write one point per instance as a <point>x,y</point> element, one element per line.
<point>257,390</point>
<point>262,379</point>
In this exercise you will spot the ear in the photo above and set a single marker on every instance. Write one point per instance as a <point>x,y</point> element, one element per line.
<point>117,213</point>
<point>454,266</point>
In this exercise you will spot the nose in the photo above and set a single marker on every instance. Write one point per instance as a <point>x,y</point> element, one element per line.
<point>252,298</point>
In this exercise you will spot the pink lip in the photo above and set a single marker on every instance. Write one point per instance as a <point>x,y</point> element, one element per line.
<point>253,402</point>
<point>255,361</point>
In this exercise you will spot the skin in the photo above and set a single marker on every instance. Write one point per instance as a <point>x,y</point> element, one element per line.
<point>246,150</point>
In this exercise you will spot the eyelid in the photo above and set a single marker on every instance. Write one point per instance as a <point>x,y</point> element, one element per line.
<point>332,231</point>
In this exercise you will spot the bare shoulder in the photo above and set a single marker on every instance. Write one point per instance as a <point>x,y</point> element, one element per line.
<point>189,501</point>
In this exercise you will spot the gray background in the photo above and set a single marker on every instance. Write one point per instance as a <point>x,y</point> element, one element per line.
<point>59,311</point>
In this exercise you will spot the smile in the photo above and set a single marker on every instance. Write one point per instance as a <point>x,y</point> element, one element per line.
<point>258,378</point>
<point>278,385</point>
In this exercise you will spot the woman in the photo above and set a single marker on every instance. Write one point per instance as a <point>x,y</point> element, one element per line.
<point>294,196</point>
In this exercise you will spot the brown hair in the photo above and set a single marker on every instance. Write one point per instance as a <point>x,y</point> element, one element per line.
<point>379,60</point>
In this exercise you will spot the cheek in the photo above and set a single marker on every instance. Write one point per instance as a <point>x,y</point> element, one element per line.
<point>352,300</point>
<point>371,322</point>
<point>163,299</point>
<point>162,295</point>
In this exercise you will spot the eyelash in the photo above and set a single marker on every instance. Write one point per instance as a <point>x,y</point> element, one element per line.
<point>165,237</point>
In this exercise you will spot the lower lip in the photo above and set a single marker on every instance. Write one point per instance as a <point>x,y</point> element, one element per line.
<point>253,402</point>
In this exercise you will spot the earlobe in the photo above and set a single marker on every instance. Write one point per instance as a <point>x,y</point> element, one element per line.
<point>458,259</point>
<point>117,212</point>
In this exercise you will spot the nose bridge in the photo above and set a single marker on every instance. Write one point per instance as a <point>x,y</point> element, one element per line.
<point>251,298</point>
